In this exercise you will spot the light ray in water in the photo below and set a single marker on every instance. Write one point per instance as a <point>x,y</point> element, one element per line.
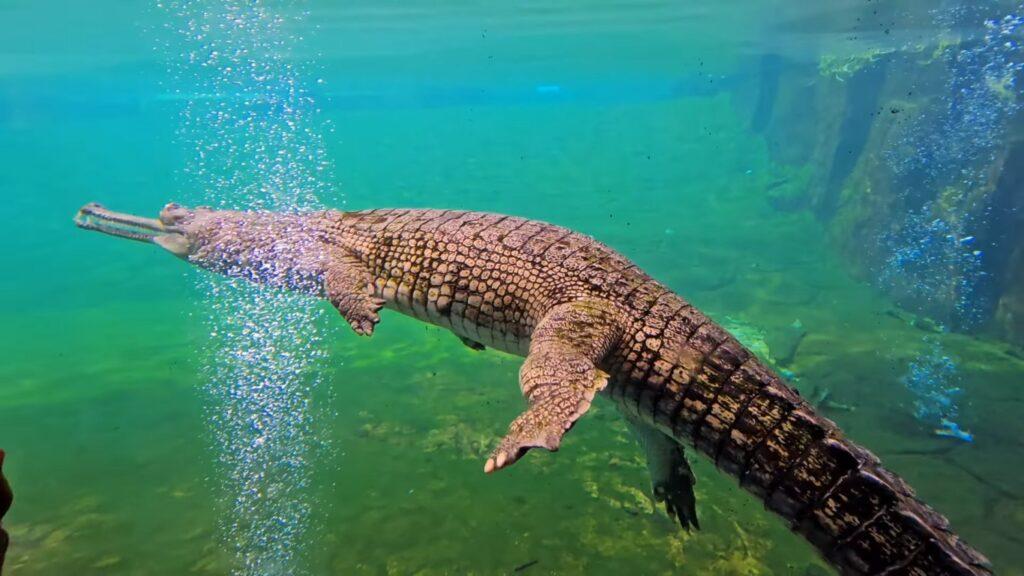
<point>258,149</point>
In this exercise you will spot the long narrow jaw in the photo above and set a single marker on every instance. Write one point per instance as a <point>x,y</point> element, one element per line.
<point>92,216</point>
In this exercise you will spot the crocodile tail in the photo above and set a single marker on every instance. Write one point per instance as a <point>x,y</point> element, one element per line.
<point>863,519</point>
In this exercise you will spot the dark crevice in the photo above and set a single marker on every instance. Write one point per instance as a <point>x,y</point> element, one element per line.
<point>1001,236</point>
<point>768,91</point>
<point>863,90</point>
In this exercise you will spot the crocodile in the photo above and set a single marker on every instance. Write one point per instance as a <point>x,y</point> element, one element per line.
<point>588,321</point>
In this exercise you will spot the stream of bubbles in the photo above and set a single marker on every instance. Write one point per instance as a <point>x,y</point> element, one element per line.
<point>256,143</point>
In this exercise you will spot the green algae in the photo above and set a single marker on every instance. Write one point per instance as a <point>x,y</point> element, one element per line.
<point>752,337</point>
<point>843,66</point>
<point>460,438</point>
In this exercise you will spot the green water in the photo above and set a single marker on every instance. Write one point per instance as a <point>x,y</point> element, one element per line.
<point>102,398</point>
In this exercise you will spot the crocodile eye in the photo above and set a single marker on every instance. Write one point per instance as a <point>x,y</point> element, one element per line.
<point>174,213</point>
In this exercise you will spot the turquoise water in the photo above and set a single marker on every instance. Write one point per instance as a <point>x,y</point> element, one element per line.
<point>630,123</point>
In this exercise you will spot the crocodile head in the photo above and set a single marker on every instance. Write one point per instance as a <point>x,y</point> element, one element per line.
<point>284,250</point>
<point>177,229</point>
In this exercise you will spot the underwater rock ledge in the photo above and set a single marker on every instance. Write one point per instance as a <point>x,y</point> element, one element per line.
<point>915,158</point>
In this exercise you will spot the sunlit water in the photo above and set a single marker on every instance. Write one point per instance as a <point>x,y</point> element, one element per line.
<point>160,421</point>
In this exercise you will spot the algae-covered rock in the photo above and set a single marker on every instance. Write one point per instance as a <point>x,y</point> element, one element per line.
<point>1009,315</point>
<point>901,135</point>
<point>784,342</point>
<point>44,545</point>
<point>744,558</point>
<point>381,430</point>
<point>612,490</point>
<point>752,337</point>
<point>843,67</point>
<point>459,438</point>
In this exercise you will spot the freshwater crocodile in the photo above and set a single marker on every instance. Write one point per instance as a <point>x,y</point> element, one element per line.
<point>588,321</point>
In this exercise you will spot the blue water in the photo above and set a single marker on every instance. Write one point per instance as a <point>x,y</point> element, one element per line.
<point>158,420</point>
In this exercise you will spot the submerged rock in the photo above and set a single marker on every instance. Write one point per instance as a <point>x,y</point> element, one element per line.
<point>783,344</point>
<point>458,438</point>
<point>788,192</point>
<point>821,398</point>
<point>915,160</point>
<point>752,337</point>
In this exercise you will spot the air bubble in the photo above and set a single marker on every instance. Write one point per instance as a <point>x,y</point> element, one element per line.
<point>255,143</point>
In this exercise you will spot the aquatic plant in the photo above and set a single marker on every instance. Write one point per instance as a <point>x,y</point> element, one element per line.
<point>934,380</point>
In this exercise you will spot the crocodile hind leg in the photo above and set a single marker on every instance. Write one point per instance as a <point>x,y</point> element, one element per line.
<point>347,286</point>
<point>672,479</point>
<point>559,377</point>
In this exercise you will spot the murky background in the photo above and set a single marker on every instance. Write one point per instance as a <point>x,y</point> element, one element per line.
<point>840,187</point>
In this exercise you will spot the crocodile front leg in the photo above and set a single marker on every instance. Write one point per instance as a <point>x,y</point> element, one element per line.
<point>560,377</point>
<point>348,286</point>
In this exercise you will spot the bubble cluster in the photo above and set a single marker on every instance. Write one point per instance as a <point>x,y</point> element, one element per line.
<point>256,145</point>
<point>934,264</point>
<point>943,156</point>
<point>959,133</point>
<point>940,160</point>
<point>933,378</point>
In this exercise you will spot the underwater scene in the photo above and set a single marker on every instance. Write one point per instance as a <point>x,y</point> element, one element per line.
<point>838,185</point>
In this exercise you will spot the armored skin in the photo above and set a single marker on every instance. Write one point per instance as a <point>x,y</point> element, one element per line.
<point>588,322</point>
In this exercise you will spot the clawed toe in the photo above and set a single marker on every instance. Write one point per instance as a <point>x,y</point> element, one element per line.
<point>364,326</point>
<point>518,443</point>
<point>505,455</point>
<point>496,462</point>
